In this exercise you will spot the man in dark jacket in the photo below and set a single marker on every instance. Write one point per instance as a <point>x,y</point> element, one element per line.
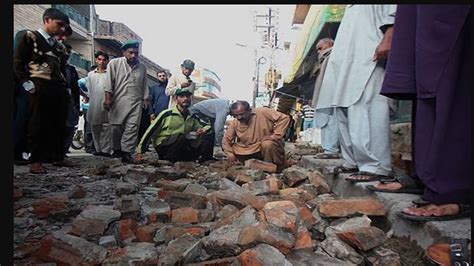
<point>158,102</point>
<point>37,65</point>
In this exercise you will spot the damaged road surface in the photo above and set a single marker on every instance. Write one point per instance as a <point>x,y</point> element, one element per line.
<point>103,212</point>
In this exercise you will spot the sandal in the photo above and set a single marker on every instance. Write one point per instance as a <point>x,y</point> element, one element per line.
<point>342,169</point>
<point>371,177</point>
<point>327,156</point>
<point>421,202</point>
<point>464,211</point>
<point>457,252</point>
<point>409,185</point>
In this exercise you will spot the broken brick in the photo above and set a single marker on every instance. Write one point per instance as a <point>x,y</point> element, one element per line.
<point>179,199</point>
<point>294,175</point>
<point>127,229</point>
<point>317,179</point>
<point>70,250</point>
<point>147,232</point>
<point>47,206</point>
<point>261,165</point>
<point>350,206</point>
<point>283,214</point>
<point>185,215</point>
<point>363,238</point>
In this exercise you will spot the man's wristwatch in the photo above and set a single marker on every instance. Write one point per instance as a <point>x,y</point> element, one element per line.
<point>28,85</point>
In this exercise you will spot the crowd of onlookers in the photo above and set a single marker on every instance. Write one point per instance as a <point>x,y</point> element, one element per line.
<point>382,53</point>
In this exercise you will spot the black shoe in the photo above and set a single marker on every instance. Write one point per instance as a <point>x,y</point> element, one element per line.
<point>104,154</point>
<point>127,158</point>
<point>117,154</point>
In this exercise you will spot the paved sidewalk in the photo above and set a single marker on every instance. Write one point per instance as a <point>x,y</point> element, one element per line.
<point>424,234</point>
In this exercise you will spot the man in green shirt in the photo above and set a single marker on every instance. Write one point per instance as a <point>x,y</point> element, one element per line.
<point>178,135</point>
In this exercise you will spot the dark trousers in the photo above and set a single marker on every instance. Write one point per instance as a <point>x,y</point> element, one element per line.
<point>88,140</point>
<point>20,118</point>
<point>47,125</point>
<point>69,136</point>
<point>178,148</point>
<point>144,124</point>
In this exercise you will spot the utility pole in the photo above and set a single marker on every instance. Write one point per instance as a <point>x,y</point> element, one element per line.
<point>269,39</point>
<point>91,30</point>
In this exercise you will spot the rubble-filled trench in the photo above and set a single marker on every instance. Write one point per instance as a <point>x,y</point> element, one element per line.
<point>103,212</point>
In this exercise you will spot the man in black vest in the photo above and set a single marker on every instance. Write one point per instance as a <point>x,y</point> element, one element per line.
<point>37,64</point>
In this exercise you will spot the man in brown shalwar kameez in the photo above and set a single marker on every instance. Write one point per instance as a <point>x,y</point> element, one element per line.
<point>256,134</point>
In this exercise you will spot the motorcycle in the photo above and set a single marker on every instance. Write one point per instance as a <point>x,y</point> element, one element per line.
<point>78,140</point>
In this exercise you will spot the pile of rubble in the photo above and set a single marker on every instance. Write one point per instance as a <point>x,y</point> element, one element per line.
<point>185,213</point>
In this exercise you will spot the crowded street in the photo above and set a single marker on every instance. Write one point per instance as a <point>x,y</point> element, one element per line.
<point>252,135</point>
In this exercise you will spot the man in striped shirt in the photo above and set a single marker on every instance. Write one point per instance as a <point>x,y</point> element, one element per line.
<point>308,116</point>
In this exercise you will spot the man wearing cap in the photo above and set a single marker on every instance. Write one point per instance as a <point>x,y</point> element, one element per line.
<point>181,80</point>
<point>180,135</point>
<point>126,91</point>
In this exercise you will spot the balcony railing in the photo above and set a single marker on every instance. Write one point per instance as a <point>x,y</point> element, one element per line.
<point>74,15</point>
<point>77,60</point>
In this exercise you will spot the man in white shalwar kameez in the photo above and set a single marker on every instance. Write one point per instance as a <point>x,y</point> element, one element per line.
<point>325,119</point>
<point>97,115</point>
<point>125,93</point>
<point>352,83</point>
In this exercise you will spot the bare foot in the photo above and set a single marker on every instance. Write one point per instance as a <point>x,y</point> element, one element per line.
<point>433,210</point>
<point>389,186</point>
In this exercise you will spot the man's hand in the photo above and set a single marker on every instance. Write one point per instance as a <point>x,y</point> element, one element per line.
<point>267,138</point>
<point>231,159</point>
<point>32,91</point>
<point>382,50</point>
<point>200,131</point>
<point>107,104</point>
<point>146,103</point>
<point>185,84</point>
<point>108,101</point>
<point>152,117</point>
<point>138,157</point>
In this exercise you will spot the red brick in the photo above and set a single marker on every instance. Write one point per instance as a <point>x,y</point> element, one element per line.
<point>363,238</point>
<point>147,232</point>
<point>349,206</point>
<point>237,198</point>
<point>295,194</point>
<point>158,217</point>
<point>177,231</point>
<point>261,165</point>
<point>88,227</point>
<point>303,239</point>
<point>249,258</point>
<point>70,250</point>
<point>317,179</point>
<point>127,229</point>
<point>47,206</point>
<point>283,214</point>
<point>185,215</point>
<point>306,216</point>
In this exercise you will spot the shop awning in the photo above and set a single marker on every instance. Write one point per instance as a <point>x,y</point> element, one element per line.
<point>317,19</point>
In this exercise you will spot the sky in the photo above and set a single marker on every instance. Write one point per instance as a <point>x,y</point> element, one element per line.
<point>206,34</point>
